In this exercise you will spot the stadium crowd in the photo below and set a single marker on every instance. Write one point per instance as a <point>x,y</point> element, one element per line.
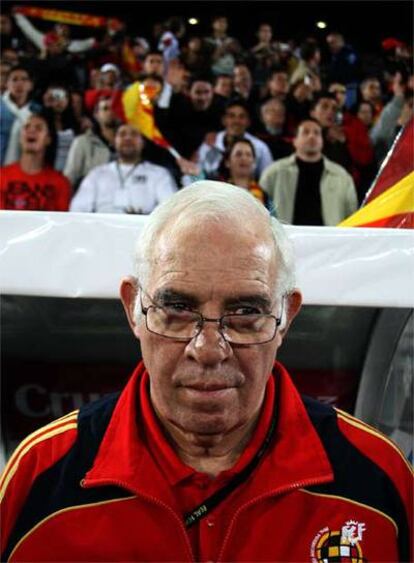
<point>303,126</point>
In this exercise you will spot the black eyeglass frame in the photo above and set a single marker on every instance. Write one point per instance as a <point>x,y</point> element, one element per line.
<point>219,321</point>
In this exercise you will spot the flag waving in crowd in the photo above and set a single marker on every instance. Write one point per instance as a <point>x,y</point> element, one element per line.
<point>137,103</point>
<point>390,201</point>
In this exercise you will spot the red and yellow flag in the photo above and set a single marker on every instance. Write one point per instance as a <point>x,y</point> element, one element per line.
<point>390,201</point>
<point>70,18</point>
<point>139,112</point>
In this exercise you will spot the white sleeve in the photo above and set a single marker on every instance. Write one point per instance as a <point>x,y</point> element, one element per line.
<point>264,158</point>
<point>81,45</point>
<point>85,198</point>
<point>29,30</point>
<point>165,185</point>
<point>74,162</point>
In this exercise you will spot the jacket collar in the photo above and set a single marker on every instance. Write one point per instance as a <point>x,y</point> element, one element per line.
<point>295,458</point>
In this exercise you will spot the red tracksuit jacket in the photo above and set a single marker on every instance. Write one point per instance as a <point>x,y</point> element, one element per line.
<point>85,488</point>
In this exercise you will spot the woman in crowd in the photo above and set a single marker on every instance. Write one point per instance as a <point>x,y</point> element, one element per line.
<point>57,100</point>
<point>237,167</point>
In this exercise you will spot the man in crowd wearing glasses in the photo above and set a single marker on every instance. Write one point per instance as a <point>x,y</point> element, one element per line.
<point>209,454</point>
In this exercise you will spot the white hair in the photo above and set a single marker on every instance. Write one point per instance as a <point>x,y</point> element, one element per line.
<point>220,202</point>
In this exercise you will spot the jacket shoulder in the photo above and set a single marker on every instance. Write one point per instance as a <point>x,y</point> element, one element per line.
<point>335,168</point>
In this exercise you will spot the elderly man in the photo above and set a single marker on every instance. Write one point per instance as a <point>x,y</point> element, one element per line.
<point>127,185</point>
<point>209,454</point>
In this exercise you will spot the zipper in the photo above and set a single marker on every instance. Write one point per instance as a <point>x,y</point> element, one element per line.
<point>149,498</point>
<point>276,492</point>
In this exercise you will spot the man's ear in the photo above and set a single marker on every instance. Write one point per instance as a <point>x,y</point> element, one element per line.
<point>292,305</point>
<point>129,292</point>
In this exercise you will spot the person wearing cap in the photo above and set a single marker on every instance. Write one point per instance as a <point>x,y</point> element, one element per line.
<point>209,453</point>
<point>108,85</point>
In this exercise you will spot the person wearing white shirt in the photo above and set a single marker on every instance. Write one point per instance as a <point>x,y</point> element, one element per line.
<point>236,120</point>
<point>127,185</point>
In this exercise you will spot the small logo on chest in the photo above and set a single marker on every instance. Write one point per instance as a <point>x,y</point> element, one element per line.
<point>339,546</point>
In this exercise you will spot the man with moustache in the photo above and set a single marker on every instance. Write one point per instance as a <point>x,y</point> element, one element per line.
<point>209,453</point>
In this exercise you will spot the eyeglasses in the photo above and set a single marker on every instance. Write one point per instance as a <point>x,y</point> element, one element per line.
<point>184,325</point>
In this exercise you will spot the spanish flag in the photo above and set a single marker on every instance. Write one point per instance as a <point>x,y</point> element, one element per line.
<point>139,112</point>
<point>390,201</point>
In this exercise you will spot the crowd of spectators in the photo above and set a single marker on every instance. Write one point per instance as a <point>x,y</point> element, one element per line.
<point>304,127</point>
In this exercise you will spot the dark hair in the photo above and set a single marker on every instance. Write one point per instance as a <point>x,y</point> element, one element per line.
<point>154,52</point>
<point>201,77</point>
<point>69,120</point>
<point>237,102</point>
<point>308,50</point>
<point>174,24</point>
<point>319,96</point>
<point>22,68</point>
<point>150,76</point>
<point>47,116</point>
<point>302,121</point>
<point>355,108</point>
<point>223,170</point>
<point>222,75</point>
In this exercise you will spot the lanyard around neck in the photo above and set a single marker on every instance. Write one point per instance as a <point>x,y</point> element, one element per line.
<point>123,179</point>
<point>200,511</point>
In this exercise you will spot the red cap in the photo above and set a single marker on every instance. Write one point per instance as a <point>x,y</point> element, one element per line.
<point>391,43</point>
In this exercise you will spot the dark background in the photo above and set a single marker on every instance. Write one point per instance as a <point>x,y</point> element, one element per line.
<point>364,23</point>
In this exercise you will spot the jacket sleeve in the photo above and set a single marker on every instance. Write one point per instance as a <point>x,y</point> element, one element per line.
<point>81,45</point>
<point>29,30</point>
<point>384,128</point>
<point>265,158</point>
<point>33,456</point>
<point>268,180</point>
<point>75,162</point>
<point>85,198</point>
<point>351,196</point>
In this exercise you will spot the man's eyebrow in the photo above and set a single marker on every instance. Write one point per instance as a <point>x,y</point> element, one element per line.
<point>162,296</point>
<point>257,300</point>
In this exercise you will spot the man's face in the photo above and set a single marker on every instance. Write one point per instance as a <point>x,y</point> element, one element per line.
<point>109,78</point>
<point>371,91</point>
<point>308,141</point>
<point>5,24</point>
<point>128,142</point>
<point>340,93</point>
<point>236,121</point>
<point>335,43</point>
<point>325,111</point>
<point>273,114</point>
<point>154,64</point>
<point>242,77</point>
<point>19,84</point>
<point>224,86</point>
<point>279,84</point>
<point>34,136</point>
<point>207,386</point>
<point>104,113</point>
<point>4,74</point>
<point>220,24</point>
<point>265,33</point>
<point>201,95</point>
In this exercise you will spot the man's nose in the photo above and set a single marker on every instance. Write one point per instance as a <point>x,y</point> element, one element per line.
<point>209,347</point>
